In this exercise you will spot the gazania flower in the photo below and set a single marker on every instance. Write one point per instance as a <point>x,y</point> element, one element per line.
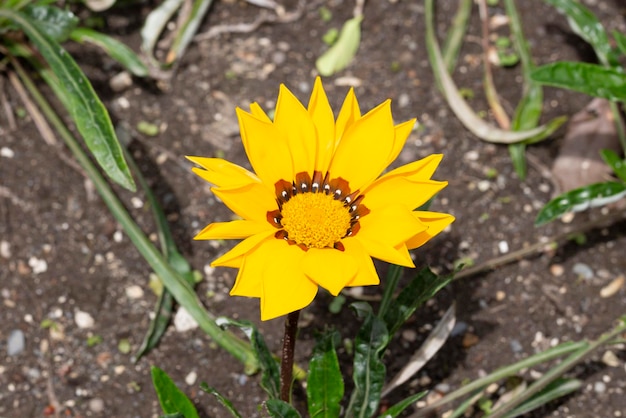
<point>316,209</point>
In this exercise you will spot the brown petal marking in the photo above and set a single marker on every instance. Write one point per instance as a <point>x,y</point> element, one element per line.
<point>317,182</point>
<point>339,188</point>
<point>284,191</point>
<point>302,183</point>
<point>274,217</point>
<point>339,246</point>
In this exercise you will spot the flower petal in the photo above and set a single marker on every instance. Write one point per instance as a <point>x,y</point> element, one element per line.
<point>384,252</point>
<point>295,122</point>
<point>367,274</point>
<point>324,121</point>
<point>329,268</point>
<point>364,148</point>
<point>436,223</point>
<point>234,257</point>
<point>402,191</point>
<point>391,225</point>
<point>285,287</point>
<point>222,173</point>
<point>251,202</point>
<point>417,170</point>
<point>402,132</point>
<point>348,114</point>
<point>232,230</point>
<point>257,111</point>
<point>267,148</point>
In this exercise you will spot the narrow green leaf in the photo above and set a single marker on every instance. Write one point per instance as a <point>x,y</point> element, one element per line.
<point>338,56</point>
<point>270,377</point>
<point>398,408</point>
<point>590,79</point>
<point>324,384</point>
<point>586,25</point>
<point>394,273</point>
<point>423,287</point>
<point>114,48</point>
<point>221,399</point>
<point>172,399</point>
<point>54,22</point>
<point>280,409</point>
<point>85,108</point>
<point>578,200</point>
<point>369,370</point>
<point>615,162</point>
<point>187,30</point>
<point>456,34</point>
<point>555,390</point>
<point>620,39</point>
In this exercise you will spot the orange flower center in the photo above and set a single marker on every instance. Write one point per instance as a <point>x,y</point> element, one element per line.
<point>316,212</point>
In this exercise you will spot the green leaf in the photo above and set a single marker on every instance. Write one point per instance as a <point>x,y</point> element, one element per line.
<point>280,409</point>
<point>398,408</point>
<point>338,56</point>
<point>369,370</point>
<point>424,286</point>
<point>517,152</point>
<point>615,162</point>
<point>555,390</point>
<point>270,377</point>
<point>86,109</point>
<point>54,22</point>
<point>578,200</point>
<point>620,39</point>
<point>172,399</point>
<point>114,48</point>
<point>324,384</point>
<point>221,399</point>
<point>586,25</point>
<point>590,79</point>
<point>187,30</point>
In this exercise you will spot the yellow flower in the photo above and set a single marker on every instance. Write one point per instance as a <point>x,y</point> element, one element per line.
<point>315,210</point>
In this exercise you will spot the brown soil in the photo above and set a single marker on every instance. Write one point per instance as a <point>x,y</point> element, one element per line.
<point>49,212</point>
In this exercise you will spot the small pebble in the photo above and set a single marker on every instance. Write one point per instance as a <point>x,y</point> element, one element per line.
<point>583,271</point>
<point>612,288</point>
<point>7,152</point>
<point>183,321</point>
<point>38,265</point>
<point>483,185</point>
<point>121,81</point>
<point>599,387</point>
<point>5,249</point>
<point>503,247</point>
<point>15,343</point>
<point>134,292</point>
<point>471,155</point>
<point>83,319</point>
<point>516,346</point>
<point>557,270</point>
<point>500,295</point>
<point>96,405</point>
<point>191,378</point>
<point>460,328</point>
<point>610,359</point>
<point>136,202</point>
<point>409,335</point>
<point>118,236</point>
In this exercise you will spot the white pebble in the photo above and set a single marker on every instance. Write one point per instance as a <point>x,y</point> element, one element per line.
<point>134,292</point>
<point>483,185</point>
<point>191,378</point>
<point>7,152</point>
<point>471,155</point>
<point>117,236</point>
<point>83,319</point>
<point>16,343</point>
<point>38,265</point>
<point>136,202</point>
<point>503,247</point>
<point>5,249</point>
<point>183,321</point>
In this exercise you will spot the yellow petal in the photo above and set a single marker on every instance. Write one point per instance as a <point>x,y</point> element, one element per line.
<point>295,122</point>
<point>234,257</point>
<point>251,202</point>
<point>285,287</point>
<point>388,253</point>
<point>402,132</point>
<point>364,149</point>
<point>348,114</point>
<point>366,275</point>
<point>232,230</point>
<point>391,225</point>
<point>402,191</point>
<point>417,170</point>
<point>267,148</point>
<point>329,268</point>
<point>256,110</point>
<point>222,173</point>
<point>324,120</point>
<point>436,223</point>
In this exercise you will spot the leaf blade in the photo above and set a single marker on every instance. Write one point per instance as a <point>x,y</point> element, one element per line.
<point>325,387</point>
<point>338,56</point>
<point>172,399</point>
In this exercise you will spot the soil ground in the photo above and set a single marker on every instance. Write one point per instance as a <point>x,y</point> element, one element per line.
<point>63,253</point>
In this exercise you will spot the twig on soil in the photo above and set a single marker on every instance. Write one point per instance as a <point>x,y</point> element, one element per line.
<point>52,398</point>
<point>281,16</point>
<point>7,193</point>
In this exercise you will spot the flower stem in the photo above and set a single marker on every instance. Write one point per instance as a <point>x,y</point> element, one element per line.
<point>286,365</point>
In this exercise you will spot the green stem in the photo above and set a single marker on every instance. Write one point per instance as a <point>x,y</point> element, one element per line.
<point>182,291</point>
<point>391,283</point>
